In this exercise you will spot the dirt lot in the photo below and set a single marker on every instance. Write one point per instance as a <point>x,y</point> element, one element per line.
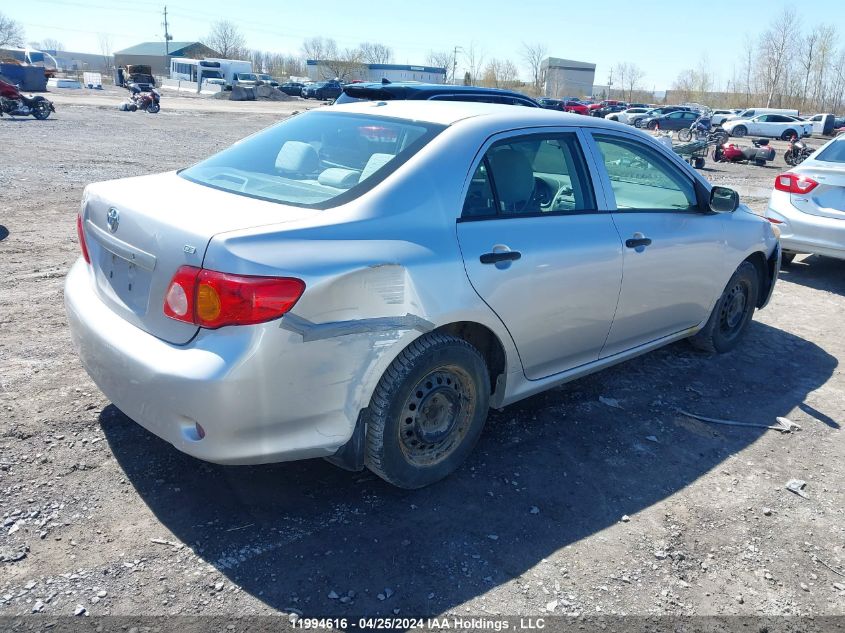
<point>569,505</point>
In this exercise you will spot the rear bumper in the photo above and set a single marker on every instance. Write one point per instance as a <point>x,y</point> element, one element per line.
<point>260,393</point>
<point>805,233</point>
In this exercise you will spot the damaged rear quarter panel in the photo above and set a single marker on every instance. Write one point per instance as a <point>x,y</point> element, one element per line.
<point>379,272</point>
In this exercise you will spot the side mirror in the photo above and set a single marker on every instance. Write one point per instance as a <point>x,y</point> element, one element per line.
<point>723,200</point>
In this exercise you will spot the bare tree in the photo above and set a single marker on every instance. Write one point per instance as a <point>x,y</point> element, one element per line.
<point>748,54</point>
<point>375,53</point>
<point>500,73</point>
<point>533,56</point>
<point>11,32</point>
<point>343,65</point>
<point>105,43</point>
<point>316,48</point>
<point>806,60</point>
<point>474,57</point>
<point>774,52</point>
<point>226,38</point>
<point>52,44</point>
<point>443,59</point>
<point>634,74</point>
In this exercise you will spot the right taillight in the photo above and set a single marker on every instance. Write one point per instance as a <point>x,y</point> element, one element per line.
<point>212,299</point>
<point>83,245</point>
<point>795,183</point>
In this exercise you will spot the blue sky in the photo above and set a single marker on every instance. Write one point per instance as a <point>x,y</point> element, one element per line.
<point>661,36</point>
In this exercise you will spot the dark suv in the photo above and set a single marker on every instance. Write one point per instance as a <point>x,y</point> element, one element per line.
<point>322,90</point>
<point>439,92</point>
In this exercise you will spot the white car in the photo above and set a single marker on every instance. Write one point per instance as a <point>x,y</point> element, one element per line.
<point>808,204</point>
<point>769,125</point>
<point>626,116</point>
<point>720,116</point>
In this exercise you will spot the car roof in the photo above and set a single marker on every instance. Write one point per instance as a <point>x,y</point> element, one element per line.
<point>411,89</point>
<point>451,112</point>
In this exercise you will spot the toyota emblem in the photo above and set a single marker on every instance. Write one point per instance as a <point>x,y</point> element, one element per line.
<point>113,219</point>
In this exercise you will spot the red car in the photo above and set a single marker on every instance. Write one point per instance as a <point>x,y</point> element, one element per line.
<point>603,104</point>
<point>575,106</point>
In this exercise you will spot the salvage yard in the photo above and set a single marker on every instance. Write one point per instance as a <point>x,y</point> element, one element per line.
<point>597,497</point>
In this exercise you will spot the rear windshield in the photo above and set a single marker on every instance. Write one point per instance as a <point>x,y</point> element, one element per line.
<point>318,159</point>
<point>833,153</point>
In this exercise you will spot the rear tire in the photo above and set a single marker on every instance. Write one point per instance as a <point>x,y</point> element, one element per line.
<point>699,163</point>
<point>732,313</point>
<point>427,411</point>
<point>788,134</point>
<point>41,110</point>
<point>739,131</point>
<point>652,125</point>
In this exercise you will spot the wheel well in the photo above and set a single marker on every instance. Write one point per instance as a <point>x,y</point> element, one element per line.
<point>485,341</point>
<point>758,260</point>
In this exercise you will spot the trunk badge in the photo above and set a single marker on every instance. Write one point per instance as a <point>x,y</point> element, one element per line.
<point>189,249</point>
<point>113,219</point>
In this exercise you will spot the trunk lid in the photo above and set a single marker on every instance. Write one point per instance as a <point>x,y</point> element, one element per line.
<point>828,198</point>
<point>139,231</point>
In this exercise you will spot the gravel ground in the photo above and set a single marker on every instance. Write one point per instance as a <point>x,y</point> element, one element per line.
<point>594,498</point>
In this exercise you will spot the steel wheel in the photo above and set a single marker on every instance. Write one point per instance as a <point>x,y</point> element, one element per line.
<point>733,310</point>
<point>437,415</point>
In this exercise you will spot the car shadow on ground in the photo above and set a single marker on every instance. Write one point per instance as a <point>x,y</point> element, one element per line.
<point>548,471</point>
<point>814,271</point>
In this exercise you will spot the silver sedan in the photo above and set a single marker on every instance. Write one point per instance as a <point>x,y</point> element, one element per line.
<point>364,282</point>
<point>808,204</point>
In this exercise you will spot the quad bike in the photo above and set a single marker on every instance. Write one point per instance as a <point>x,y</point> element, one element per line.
<point>759,154</point>
<point>13,103</point>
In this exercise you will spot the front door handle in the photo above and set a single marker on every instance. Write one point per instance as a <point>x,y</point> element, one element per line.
<point>638,241</point>
<point>500,256</point>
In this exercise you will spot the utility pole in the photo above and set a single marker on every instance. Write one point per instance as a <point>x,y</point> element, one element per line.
<point>167,35</point>
<point>455,64</point>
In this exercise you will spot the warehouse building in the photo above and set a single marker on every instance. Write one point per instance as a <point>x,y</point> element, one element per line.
<point>566,77</point>
<point>321,70</point>
<point>157,55</point>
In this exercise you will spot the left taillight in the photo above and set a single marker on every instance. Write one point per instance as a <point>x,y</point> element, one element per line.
<point>795,183</point>
<point>213,299</point>
<point>80,234</point>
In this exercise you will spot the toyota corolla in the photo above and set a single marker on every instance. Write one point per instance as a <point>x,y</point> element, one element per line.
<point>364,282</point>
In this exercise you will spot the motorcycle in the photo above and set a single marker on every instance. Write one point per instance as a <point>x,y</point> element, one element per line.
<point>797,152</point>
<point>759,154</point>
<point>146,100</point>
<point>13,103</point>
<point>702,130</point>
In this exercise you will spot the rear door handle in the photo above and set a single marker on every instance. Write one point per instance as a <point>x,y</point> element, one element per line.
<point>500,256</point>
<point>637,242</point>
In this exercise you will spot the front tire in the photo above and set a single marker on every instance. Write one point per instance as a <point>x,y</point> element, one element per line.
<point>638,123</point>
<point>732,313</point>
<point>739,131</point>
<point>427,411</point>
<point>685,135</point>
<point>153,108</point>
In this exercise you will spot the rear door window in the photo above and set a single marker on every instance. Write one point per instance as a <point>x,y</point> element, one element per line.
<point>531,175</point>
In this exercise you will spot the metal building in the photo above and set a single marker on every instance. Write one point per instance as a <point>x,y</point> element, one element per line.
<point>321,70</point>
<point>566,77</point>
<point>157,55</point>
